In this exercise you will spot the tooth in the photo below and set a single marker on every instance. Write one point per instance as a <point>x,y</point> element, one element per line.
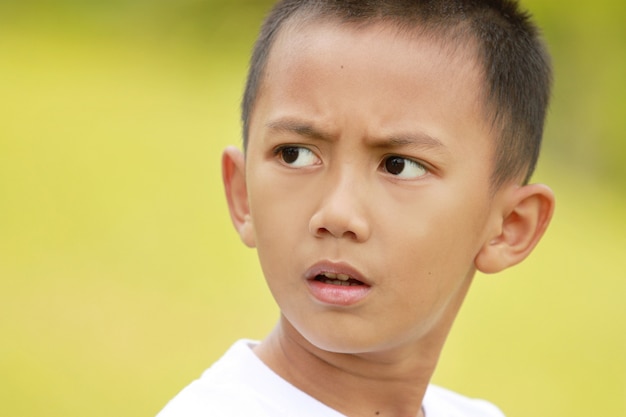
<point>330,275</point>
<point>343,277</point>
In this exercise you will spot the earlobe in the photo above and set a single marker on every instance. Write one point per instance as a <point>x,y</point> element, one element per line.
<point>234,178</point>
<point>525,218</point>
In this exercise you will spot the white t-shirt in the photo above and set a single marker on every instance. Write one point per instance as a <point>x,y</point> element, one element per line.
<point>240,384</point>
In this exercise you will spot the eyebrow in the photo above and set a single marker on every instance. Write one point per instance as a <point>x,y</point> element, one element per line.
<point>300,128</point>
<point>417,140</point>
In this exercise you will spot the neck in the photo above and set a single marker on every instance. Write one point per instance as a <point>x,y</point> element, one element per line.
<point>386,384</point>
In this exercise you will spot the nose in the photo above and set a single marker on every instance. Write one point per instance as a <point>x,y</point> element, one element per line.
<point>342,212</point>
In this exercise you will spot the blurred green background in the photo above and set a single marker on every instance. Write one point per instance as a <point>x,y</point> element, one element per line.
<point>121,278</point>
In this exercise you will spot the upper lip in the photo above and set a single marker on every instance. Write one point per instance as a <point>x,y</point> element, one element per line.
<point>335,268</point>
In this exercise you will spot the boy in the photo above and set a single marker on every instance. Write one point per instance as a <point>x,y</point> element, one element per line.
<point>388,148</point>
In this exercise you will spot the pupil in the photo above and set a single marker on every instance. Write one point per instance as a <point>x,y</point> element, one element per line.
<point>394,165</point>
<point>290,155</point>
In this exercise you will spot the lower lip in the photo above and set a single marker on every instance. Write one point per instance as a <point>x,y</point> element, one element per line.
<point>338,295</point>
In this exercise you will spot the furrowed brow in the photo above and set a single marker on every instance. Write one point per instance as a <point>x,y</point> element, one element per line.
<point>412,140</point>
<point>299,128</point>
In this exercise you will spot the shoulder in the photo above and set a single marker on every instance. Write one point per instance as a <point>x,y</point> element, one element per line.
<point>240,384</point>
<point>201,400</point>
<point>441,402</point>
<point>219,391</point>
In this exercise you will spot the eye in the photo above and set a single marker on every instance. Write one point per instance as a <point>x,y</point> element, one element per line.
<point>404,168</point>
<point>297,156</point>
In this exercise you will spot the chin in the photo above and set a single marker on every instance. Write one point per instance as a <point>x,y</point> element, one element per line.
<point>342,343</point>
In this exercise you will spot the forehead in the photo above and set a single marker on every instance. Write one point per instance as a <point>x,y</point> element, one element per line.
<point>452,49</point>
<point>375,75</point>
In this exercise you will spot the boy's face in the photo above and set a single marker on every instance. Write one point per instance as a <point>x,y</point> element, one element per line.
<point>369,158</point>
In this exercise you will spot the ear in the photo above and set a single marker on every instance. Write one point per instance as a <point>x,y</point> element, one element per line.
<point>526,213</point>
<point>234,178</point>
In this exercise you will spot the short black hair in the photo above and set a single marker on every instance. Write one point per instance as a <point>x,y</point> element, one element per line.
<point>510,52</point>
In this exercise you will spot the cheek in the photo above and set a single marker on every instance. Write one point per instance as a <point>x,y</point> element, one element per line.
<point>275,207</point>
<point>279,218</point>
<point>437,229</point>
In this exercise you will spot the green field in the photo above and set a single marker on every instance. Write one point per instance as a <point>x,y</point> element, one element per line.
<point>121,278</point>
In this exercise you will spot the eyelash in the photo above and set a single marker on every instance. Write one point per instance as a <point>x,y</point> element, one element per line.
<point>406,163</point>
<point>279,153</point>
<point>403,162</point>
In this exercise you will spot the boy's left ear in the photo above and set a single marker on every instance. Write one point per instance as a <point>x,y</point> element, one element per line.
<point>526,213</point>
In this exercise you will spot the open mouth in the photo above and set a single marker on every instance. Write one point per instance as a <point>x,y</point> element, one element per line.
<point>337,279</point>
<point>337,284</point>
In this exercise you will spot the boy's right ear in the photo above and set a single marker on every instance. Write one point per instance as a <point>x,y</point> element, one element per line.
<point>234,177</point>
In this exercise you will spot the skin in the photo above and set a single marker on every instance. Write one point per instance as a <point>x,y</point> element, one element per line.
<point>315,193</point>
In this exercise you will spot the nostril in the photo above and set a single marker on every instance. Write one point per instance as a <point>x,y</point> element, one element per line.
<point>322,231</point>
<point>348,234</point>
